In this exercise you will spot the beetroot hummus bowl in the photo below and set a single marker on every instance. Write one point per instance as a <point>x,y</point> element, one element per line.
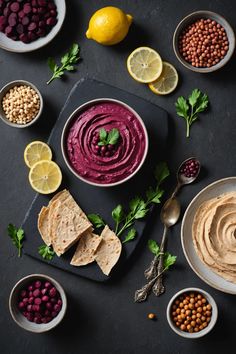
<point>104,142</point>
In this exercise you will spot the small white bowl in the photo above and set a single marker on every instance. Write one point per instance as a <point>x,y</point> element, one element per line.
<point>67,126</point>
<point>3,92</point>
<point>20,47</point>
<point>204,331</point>
<point>18,316</point>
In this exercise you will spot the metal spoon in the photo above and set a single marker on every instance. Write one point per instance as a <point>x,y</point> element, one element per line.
<point>152,272</point>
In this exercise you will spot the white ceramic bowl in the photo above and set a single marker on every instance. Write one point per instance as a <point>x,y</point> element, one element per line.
<point>204,331</point>
<point>191,18</point>
<point>20,47</point>
<point>3,92</point>
<point>213,190</point>
<point>67,126</point>
<point>18,316</point>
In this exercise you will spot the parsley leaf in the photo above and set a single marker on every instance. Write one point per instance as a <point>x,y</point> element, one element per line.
<point>67,63</point>
<point>96,220</point>
<point>161,172</point>
<point>46,252</point>
<point>130,235</point>
<point>153,247</point>
<point>17,236</point>
<point>108,138</point>
<point>197,102</point>
<point>117,215</point>
<point>169,260</point>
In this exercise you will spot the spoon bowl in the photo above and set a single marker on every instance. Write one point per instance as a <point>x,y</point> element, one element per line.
<point>182,178</point>
<point>170,212</point>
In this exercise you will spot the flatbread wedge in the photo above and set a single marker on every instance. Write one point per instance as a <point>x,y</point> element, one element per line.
<point>109,250</point>
<point>85,251</point>
<point>43,225</point>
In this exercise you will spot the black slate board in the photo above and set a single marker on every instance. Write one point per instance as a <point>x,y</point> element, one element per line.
<point>95,199</point>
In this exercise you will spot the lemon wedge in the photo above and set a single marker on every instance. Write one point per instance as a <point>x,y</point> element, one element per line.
<point>144,64</point>
<point>45,177</point>
<point>167,82</point>
<point>36,151</point>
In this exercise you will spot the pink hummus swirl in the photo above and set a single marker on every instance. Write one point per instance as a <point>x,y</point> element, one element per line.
<point>129,149</point>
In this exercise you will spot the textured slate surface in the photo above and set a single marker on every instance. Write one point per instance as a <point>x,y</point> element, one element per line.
<point>102,318</point>
<point>96,199</point>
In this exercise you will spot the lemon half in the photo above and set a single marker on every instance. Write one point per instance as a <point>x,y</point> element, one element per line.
<point>144,64</point>
<point>45,177</point>
<point>167,82</point>
<point>36,151</point>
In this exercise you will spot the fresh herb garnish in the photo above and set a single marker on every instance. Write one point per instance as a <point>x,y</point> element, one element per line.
<point>188,109</point>
<point>130,235</point>
<point>168,260</point>
<point>46,252</point>
<point>138,207</point>
<point>17,236</point>
<point>67,63</point>
<point>96,220</point>
<point>108,138</point>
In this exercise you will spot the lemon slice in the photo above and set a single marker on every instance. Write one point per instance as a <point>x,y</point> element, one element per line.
<point>36,151</point>
<point>167,82</point>
<point>144,64</point>
<point>45,177</point>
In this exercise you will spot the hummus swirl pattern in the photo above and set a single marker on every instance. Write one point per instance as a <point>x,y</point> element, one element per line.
<point>129,151</point>
<point>214,235</point>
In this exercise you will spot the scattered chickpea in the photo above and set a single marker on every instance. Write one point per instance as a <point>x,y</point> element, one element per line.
<point>189,314</point>
<point>151,316</point>
<point>21,104</point>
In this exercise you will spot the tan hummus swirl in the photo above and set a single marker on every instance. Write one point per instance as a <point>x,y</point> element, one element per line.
<point>130,148</point>
<point>214,235</point>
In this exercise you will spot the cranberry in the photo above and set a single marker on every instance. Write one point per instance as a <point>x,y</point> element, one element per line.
<point>21,305</point>
<point>31,300</point>
<point>49,305</point>
<point>30,308</point>
<point>103,148</point>
<point>45,298</point>
<point>30,317</point>
<point>36,308</point>
<point>110,147</point>
<point>36,292</point>
<point>57,308</point>
<point>59,302</point>
<point>53,300</point>
<point>23,293</point>
<point>47,285</point>
<point>43,291</point>
<point>53,292</point>
<point>25,300</point>
<point>37,284</point>
<point>37,301</point>
<point>54,313</point>
<point>30,288</point>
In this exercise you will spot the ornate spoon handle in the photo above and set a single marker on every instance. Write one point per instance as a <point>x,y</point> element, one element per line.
<point>158,287</point>
<point>151,271</point>
<point>141,294</point>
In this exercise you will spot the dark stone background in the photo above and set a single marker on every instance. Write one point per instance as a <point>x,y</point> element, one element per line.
<point>102,318</point>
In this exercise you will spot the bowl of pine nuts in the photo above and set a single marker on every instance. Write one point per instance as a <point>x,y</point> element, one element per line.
<point>21,104</point>
<point>192,313</point>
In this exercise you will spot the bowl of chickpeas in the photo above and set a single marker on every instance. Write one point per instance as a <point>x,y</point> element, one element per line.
<point>203,41</point>
<point>192,313</point>
<point>21,104</point>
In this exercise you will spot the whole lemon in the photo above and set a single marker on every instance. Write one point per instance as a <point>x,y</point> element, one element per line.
<point>109,25</point>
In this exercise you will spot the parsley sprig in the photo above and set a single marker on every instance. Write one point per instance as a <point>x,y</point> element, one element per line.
<point>168,260</point>
<point>138,207</point>
<point>17,236</point>
<point>189,109</point>
<point>108,138</point>
<point>67,63</point>
<point>46,252</point>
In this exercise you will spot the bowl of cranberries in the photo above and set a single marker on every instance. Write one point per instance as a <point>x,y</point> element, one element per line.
<point>37,303</point>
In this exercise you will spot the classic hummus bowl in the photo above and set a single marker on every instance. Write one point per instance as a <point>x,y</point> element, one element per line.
<point>208,234</point>
<point>104,142</point>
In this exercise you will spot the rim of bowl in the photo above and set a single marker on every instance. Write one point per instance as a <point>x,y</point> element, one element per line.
<point>65,131</point>
<point>5,89</point>
<point>222,62</point>
<point>42,327</point>
<point>204,331</point>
